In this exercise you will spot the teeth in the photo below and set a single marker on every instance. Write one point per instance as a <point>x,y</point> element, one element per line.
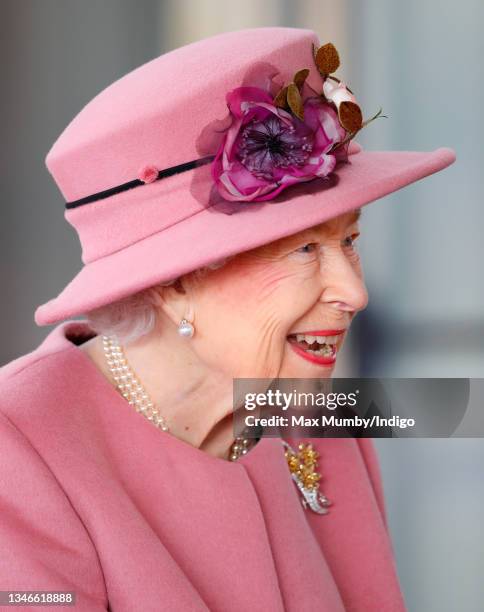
<point>319,339</point>
<point>326,351</point>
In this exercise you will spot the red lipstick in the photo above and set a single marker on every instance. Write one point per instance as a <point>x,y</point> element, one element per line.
<point>314,351</point>
<point>321,332</point>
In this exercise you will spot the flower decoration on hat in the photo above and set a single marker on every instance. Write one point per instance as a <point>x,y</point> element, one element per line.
<point>276,142</point>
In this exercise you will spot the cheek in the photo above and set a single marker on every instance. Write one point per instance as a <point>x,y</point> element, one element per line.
<point>285,293</point>
<point>250,313</point>
<point>244,320</point>
<point>299,292</point>
<point>235,318</point>
<point>262,288</point>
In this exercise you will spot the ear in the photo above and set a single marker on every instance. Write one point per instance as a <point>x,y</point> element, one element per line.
<point>174,301</point>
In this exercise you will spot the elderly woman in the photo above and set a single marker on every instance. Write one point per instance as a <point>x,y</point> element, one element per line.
<point>216,192</point>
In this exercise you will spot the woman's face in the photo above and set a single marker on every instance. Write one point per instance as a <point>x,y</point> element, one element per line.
<point>282,310</point>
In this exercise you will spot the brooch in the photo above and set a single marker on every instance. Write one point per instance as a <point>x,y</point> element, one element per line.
<point>303,465</point>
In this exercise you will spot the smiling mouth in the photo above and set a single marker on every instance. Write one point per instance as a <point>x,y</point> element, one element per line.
<point>318,347</point>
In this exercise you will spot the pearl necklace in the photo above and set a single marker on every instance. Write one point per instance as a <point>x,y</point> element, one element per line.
<point>302,463</point>
<point>133,391</point>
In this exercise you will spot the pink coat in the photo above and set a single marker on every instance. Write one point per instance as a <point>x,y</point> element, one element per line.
<point>94,499</point>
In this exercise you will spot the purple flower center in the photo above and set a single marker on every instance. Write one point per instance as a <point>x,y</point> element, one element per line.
<point>270,144</point>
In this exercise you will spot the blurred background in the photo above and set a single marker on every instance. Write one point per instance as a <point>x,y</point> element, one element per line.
<point>421,247</point>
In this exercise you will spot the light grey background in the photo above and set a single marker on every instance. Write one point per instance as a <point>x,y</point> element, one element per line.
<point>422,247</point>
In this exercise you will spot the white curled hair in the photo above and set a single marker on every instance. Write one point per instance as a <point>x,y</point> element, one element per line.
<point>134,316</point>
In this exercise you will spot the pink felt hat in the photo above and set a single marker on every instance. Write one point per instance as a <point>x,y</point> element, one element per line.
<point>165,170</point>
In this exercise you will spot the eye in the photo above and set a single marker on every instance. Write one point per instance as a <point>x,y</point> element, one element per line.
<point>310,247</point>
<point>349,241</point>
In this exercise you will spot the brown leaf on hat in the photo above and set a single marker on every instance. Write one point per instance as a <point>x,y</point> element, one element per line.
<point>281,98</point>
<point>350,116</point>
<point>295,101</point>
<point>326,58</point>
<point>300,77</point>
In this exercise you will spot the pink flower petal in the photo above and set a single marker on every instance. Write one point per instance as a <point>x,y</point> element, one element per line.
<point>237,97</point>
<point>318,113</point>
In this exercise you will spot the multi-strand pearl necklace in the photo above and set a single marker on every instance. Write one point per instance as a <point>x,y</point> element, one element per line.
<point>133,391</point>
<point>302,463</point>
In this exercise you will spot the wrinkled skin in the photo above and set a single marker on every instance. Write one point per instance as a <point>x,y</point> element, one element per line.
<point>243,314</point>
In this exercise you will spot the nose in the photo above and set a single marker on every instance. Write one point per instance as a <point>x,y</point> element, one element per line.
<point>343,284</point>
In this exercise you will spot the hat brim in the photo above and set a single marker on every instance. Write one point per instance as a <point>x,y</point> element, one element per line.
<point>186,246</point>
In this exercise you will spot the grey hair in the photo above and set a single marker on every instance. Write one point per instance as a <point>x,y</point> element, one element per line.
<point>134,316</point>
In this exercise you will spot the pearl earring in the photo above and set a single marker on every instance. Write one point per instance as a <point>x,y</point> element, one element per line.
<point>186,329</point>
